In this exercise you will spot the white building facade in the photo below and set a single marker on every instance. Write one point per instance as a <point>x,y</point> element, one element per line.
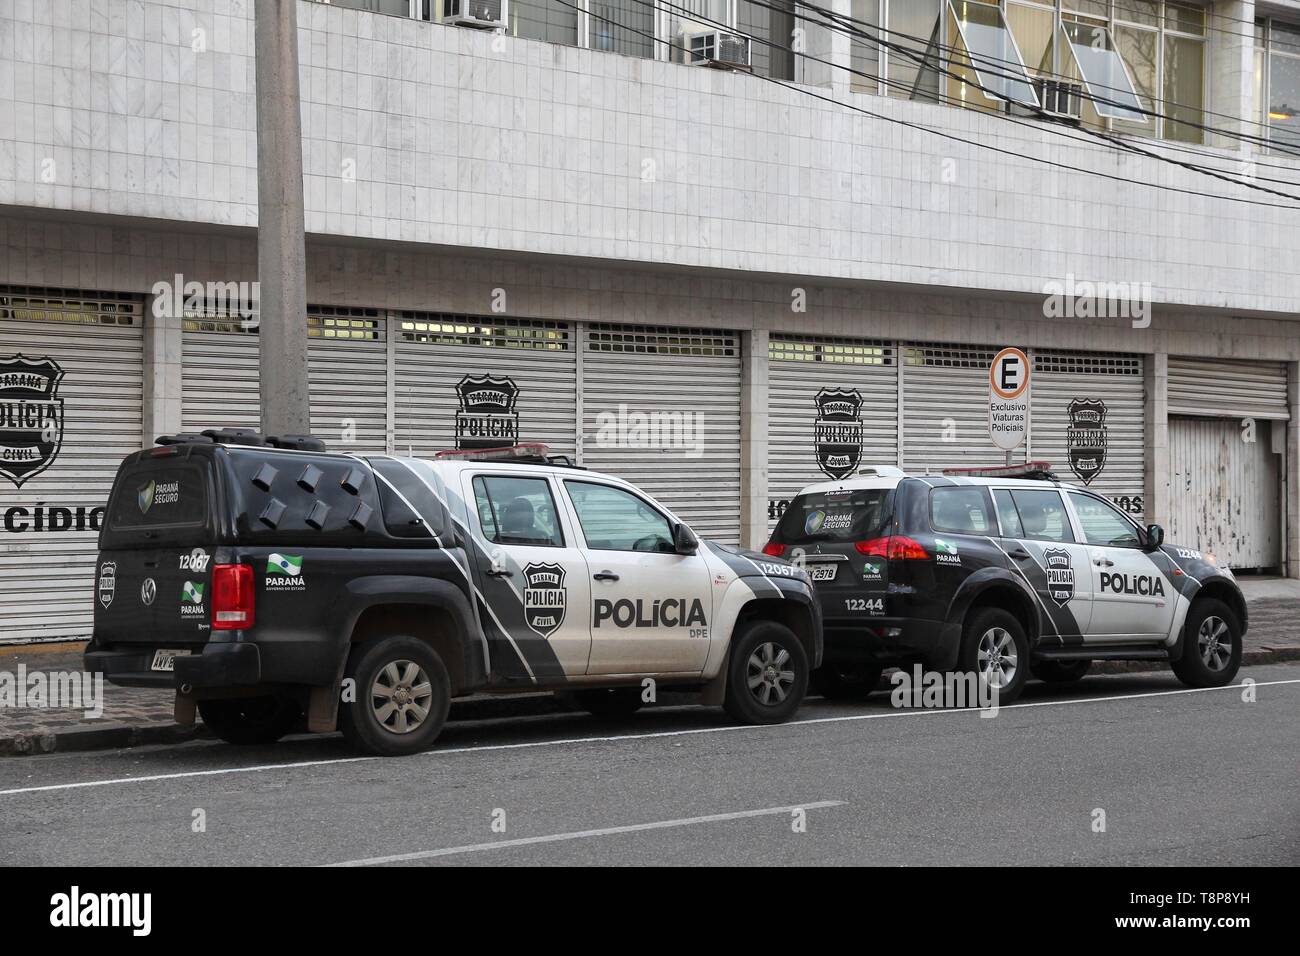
<point>721,284</point>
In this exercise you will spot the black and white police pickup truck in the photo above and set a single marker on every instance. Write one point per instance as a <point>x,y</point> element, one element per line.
<point>1004,572</point>
<point>269,582</point>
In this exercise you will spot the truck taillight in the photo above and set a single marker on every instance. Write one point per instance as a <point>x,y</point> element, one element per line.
<point>232,597</point>
<point>894,547</point>
<point>774,549</point>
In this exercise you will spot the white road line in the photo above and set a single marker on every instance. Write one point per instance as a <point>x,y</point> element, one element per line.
<point>614,738</point>
<point>585,834</point>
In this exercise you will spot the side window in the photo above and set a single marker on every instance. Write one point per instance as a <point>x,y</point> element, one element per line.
<point>517,511</point>
<point>960,510</point>
<point>1103,524</point>
<point>615,520</point>
<point>1007,514</point>
<point>1042,515</point>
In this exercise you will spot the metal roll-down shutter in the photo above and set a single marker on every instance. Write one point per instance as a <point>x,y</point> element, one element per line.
<point>1086,418</point>
<point>85,350</point>
<point>1224,388</point>
<point>946,408</point>
<point>856,381</point>
<point>661,409</point>
<point>347,374</point>
<point>474,381</point>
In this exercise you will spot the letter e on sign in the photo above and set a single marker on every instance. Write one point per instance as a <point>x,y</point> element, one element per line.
<point>1009,398</point>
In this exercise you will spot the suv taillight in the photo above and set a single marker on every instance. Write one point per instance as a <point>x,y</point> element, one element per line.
<point>894,547</point>
<point>232,597</point>
<point>774,549</point>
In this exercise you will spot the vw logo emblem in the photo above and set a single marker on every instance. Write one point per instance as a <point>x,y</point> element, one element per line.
<point>148,591</point>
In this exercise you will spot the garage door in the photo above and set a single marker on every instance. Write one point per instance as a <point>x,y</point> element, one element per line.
<point>661,409</point>
<point>71,408</point>
<point>347,370</point>
<point>478,382</point>
<point>1224,388</point>
<point>946,408</point>
<point>1086,418</point>
<point>1225,491</point>
<point>833,407</point>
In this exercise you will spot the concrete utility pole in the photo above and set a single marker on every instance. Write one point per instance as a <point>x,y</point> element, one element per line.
<point>281,252</point>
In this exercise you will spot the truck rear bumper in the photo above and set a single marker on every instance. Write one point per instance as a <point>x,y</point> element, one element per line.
<point>218,665</point>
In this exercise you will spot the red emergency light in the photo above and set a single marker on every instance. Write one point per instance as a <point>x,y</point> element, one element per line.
<point>1038,470</point>
<point>527,450</point>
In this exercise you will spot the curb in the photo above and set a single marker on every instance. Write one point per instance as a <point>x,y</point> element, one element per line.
<point>484,707</point>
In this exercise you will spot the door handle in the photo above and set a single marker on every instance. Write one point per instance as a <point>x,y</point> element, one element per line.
<point>1103,562</point>
<point>499,573</point>
<point>604,576</point>
<point>1020,553</point>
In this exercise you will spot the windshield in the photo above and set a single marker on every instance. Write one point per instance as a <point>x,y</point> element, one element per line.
<point>852,515</point>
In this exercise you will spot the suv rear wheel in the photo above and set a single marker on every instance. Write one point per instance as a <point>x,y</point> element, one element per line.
<point>1211,645</point>
<point>767,674</point>
<point>995,648</point>
<point>250,720</point>
<point>403,694</point>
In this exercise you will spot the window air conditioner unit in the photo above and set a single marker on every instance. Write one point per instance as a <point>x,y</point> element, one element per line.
<point>481,14</point>
<point>718,49</point>
<point>1060,97</point>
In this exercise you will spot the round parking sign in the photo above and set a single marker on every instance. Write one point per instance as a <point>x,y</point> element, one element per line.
<point>1009,398</point>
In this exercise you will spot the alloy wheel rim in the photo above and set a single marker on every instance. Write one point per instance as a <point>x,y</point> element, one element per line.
<point>997,658</point>
<point>401,696</point>
<point>769,675</point>
<point>1214,641</point>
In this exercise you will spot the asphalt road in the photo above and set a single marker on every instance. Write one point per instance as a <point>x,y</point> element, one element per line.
<point>1183,777</point>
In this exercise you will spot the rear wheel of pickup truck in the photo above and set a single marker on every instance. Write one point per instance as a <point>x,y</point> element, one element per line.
<point>250,720</point>
<point>767,674</point>
<point>403,694</point>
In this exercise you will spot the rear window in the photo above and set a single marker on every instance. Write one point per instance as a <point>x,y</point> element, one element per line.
<point>854,515</point>
<point>172,496</point>
<point>960,511</point>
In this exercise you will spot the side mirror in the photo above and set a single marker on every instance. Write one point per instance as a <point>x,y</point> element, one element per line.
<point>684,540</point>
<point>1155,536</point>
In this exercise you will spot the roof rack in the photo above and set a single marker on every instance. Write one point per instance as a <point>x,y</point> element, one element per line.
<point>1030,470</point>
<point>243,436</point>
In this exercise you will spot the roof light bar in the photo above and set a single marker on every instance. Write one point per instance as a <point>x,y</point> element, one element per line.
<point>529,450</point>
<point>1030,469</point>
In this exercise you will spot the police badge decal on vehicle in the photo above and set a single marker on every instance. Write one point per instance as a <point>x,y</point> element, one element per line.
<point>838,431</point>
<point>544,597</point>
<point>1060,575</point>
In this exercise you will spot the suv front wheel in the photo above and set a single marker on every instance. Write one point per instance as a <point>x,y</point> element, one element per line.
<point>1211,645</point>
<point>402,696</point>
<point>767,674</point>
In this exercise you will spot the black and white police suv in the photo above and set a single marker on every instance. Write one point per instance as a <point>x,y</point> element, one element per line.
<point>272,583</point>
<point>1004,572</point>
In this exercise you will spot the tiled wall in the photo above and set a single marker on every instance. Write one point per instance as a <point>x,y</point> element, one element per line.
<point>431,134</point>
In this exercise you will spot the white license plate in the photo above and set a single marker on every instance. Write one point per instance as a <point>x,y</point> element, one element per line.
<point>823,570</point>
<point>165,660</point>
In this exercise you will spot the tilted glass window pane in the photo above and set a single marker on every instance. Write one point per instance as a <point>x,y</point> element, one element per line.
<point>1033,27</point>
<point>1284,100</point>
<point>1184,89</point>
<point>761,21</point>
<point>547,20</point>
<point>1140,49</point>
<point>914,26</point>
<point>864,55</point>
<point>993,54</point>
<point>1103,71</point>
<point>395,8</point>
<point>622,26</point>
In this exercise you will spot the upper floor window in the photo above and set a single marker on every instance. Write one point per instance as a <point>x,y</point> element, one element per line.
<point>1134,66</point>
<point>1277,81</point>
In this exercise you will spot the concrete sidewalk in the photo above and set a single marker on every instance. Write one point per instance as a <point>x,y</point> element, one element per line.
<point>132,717</point>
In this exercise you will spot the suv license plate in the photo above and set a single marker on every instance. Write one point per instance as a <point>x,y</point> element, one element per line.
<point>823,570</point>
<point>165,660</point>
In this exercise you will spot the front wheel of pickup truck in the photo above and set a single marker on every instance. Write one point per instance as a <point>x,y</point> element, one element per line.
<point>402,696</point>
<point>250,720</point>
<point>767,674</point>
